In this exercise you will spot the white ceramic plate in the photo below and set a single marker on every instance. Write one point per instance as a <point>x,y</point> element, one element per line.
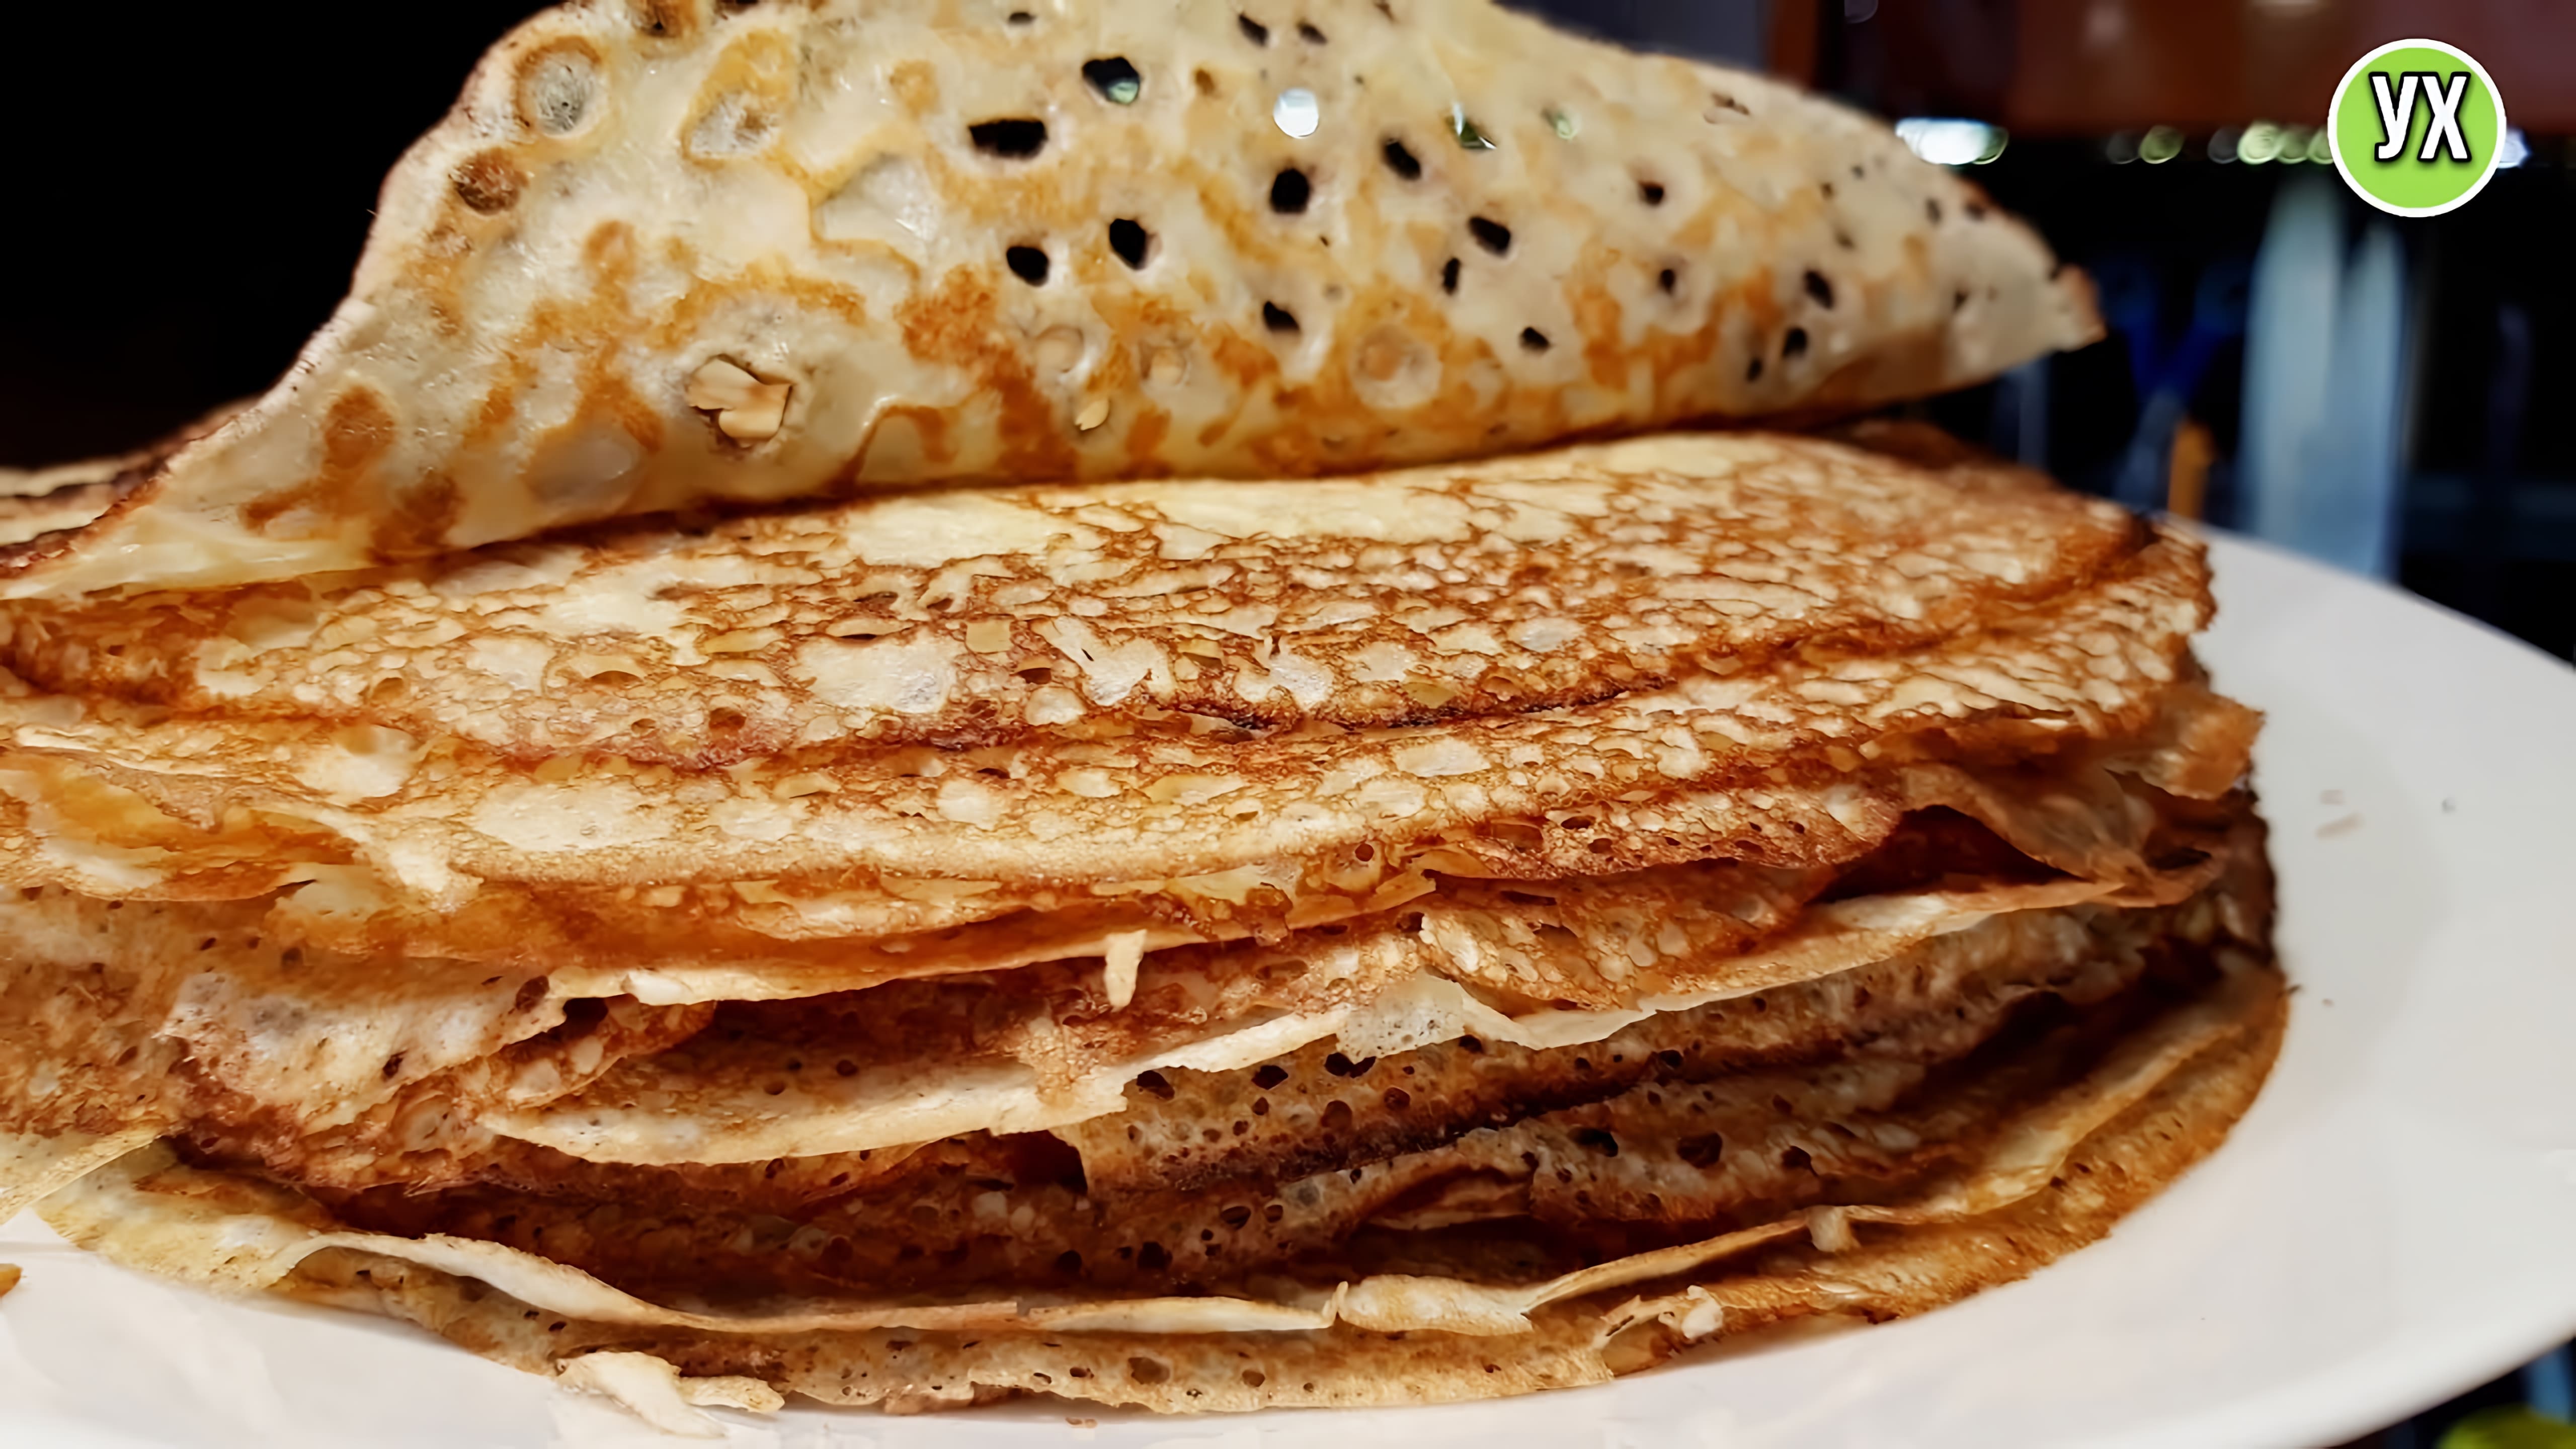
<point>2395,1221</point>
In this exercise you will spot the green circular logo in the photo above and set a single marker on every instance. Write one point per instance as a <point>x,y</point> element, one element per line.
<point>2417,127</point>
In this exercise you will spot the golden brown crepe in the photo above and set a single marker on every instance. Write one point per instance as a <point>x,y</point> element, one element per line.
<point>667,252</point>
<point>1201,945</point>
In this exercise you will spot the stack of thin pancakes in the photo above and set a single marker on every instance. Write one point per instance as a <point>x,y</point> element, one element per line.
<point>509,832</point>
<point>1201,945</point>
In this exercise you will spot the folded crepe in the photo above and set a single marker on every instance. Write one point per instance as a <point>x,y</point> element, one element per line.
<point>668,252</point>
<point>1192,944</point>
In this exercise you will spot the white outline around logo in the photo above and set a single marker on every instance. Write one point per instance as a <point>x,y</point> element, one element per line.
<point>2334,130</point>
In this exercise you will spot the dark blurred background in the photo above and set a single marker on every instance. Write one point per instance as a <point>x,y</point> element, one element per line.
<point>190,186</point>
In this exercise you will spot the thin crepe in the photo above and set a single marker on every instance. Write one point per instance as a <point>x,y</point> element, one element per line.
<point>108,794</point>
<point>1719,1120</point>
<point>368,1068</point>
<point>976,616</point>
<point>674,252</point>
<point>2056,1177</point>
<point>915,1070</point>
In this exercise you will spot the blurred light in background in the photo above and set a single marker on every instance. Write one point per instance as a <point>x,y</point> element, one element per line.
<point>1296,112</point>
<point>1470,136</point>
<point>1952,142</point>
<point>2326,389</point>
<point>2517,147</point>
<point>2259,144</point>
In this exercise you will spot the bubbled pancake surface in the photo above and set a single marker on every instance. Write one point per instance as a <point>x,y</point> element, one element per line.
<point>686,251</point>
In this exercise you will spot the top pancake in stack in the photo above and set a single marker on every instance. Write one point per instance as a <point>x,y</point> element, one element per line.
<point>674,252</point>
<point>1165,943</point>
